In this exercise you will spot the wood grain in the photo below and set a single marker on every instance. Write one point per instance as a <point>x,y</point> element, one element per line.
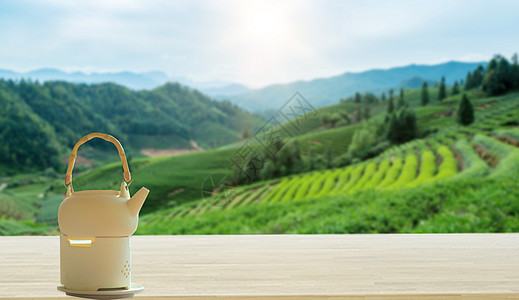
<point>455,266</point>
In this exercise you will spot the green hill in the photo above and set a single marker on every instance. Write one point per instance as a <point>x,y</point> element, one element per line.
<point>342,171</point>
<point>449,169</point>
<point>459,180</point>
<point>178,180</point>
<point>41,122</point>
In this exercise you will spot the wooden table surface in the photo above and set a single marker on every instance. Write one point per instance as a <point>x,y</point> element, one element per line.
<point>381,266</point>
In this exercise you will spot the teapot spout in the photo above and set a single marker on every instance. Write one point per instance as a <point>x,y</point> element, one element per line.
<point>135,203</point>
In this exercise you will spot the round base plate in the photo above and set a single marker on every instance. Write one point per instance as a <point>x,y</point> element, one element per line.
<point>104,294</point>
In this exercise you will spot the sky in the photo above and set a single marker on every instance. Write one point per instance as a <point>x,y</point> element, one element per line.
<point>255,43</point>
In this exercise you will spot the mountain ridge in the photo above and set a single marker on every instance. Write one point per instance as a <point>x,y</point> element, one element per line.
<point>326,91</point>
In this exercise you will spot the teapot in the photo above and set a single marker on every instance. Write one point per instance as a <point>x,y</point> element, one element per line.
<point>96,226</point>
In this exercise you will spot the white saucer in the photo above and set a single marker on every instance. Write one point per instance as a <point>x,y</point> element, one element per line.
<point>104,294</point>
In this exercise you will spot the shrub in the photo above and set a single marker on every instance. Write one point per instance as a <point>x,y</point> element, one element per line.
<point>383,167</point>
<point>449,166</point>
<point>408,172</point>
<point>368,174</point>
<point>427,169</point>
<point>474,165</point>
<point>392,173</point>
<point>355,175</point>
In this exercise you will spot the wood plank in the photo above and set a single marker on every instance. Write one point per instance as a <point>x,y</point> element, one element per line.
<point>380,266</point>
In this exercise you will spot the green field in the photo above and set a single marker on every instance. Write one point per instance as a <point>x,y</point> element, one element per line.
<point>471,158</point>
<point>436,183</point>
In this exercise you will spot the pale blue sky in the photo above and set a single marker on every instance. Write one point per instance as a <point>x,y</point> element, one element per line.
<point>251,42</point>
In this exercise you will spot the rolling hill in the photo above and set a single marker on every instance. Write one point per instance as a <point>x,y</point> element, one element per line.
<point>435,184</point>
<point>461,179</point>
<point>448,178</point>
<point>42,121</point>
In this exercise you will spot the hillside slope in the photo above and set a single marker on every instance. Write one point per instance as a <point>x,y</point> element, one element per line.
<point>54,115</point>
<point>462,179</point>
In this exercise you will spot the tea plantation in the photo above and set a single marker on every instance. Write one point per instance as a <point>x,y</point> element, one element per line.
<point>460,179</point>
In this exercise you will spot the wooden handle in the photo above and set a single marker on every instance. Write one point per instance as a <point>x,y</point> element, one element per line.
<point>106,137</point>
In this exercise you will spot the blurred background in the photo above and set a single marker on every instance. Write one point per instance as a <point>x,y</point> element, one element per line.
<point>265,116</point>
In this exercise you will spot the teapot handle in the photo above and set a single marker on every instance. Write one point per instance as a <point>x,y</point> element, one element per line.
<point>106,137</point>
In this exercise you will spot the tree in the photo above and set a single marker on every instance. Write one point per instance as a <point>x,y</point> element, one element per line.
<point>390,106</point>
<point>474,79</point>
<point>325,120</point>
<point>391,95</point>
<point>346,117</point>
<point>455,88</point>
<point>465,113</point>
<point>402,126</point>
<point>296,156</point>
<point>311,160</point>
<point>362,141</point>
<point>369,98</point>
<point>268,170</point>
<point>333,119</point>
<point>442,93</point>
<point>468,81</point>
<point>367,112</point>
<point>245,134</point>
<point>497,79</point>
<point>515,71</point>
<point>425,94</point>
<point>358,115</point>
<point>328,156</point>
<point>401,102</point>
<point>383,97</point>
<point>358,98</point>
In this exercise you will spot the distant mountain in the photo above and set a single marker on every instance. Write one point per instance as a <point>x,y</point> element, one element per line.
<point>136,81</point>
<point>415,82</point>
<point>326,91</point>
<point>147,80</point>
<point>224,92</point>
<point>320,92</point>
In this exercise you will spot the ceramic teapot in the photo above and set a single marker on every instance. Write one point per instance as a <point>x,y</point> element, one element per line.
<point>96,227</point>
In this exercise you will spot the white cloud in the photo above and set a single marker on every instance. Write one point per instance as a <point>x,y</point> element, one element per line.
<point>253,42</point>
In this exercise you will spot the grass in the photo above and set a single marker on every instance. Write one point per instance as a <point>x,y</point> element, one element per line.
<point>474,166</point>
<point>448,167</point>
<point>368,174</point>
<point>408,173</point>
<point>508,155</point>
<point>465,205</point>
<point>377,178</point>
<point>330,182</point>
<point>356,173</point>
<point>386,194</point>
<point>427,168</point>
<point>166,177</point>
<point>392,173</point>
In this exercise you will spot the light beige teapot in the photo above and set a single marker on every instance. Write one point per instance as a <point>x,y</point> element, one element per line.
<point>96,227</point>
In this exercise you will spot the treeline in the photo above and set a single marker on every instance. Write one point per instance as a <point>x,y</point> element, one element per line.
<point>501,75</point>
<point>41,122</point>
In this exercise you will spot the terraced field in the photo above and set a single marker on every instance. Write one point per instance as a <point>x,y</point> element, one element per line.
<point>418,163</point>
<point>423,172</point>
<point>452,154</point>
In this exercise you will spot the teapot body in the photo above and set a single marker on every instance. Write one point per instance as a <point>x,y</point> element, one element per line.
<point>96,213</point>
